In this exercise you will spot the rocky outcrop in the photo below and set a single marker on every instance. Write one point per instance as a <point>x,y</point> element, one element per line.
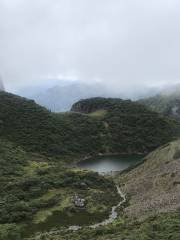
<point>86,106</point>
<point>79,202</point>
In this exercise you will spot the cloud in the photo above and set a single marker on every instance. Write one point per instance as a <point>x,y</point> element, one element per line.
<point>125,43</point>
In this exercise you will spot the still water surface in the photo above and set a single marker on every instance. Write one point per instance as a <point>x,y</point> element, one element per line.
<point>110,163</point>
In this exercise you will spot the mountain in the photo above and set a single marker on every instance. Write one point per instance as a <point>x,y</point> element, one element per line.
<point>39,177</point>
<point>39,130</point>
<point>59,96</point>
<point>120,127</point>
<point>130,127</point>
<point>167,102</point>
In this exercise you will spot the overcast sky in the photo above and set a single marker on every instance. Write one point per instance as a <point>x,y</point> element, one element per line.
<point>124,43</point>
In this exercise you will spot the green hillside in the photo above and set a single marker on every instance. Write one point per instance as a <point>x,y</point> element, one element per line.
<point>130,127</point>
<point>152,207</point>
<point>38,181</point>
<point>161,227</point>
<point>126,127</point>
<point>33,188</point>
<point>38,130</point>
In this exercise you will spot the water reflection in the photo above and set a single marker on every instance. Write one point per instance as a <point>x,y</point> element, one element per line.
<point>110,163</point>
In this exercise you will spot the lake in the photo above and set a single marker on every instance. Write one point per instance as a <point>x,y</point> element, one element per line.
<point>105,164</point>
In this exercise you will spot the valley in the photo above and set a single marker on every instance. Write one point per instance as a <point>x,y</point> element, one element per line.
<point>89,120</point>
<point>44,194</point>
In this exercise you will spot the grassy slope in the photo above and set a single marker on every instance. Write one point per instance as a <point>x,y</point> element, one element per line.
<point>153,208</point>
<point>162,227</point>
<point>38,130</point>
<point>154,186</point>
<point>27,180</point>
<point>32,187</point>
<point>130,127</point>
<point>126,127</point>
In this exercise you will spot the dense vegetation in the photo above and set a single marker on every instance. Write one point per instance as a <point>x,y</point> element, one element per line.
<point>129,127</point>
<point>37,180</point>
<point>38,130</point>
<point>161,227</point>
<point>31,184</point>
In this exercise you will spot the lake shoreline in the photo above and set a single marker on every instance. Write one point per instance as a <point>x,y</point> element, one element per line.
<point>109,164</point>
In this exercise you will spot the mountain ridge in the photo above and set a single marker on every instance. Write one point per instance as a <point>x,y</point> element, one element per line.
<point>39,176</point>
<point>124,124</point>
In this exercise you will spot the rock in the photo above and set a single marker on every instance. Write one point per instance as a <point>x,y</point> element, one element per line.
<point>79,202</point>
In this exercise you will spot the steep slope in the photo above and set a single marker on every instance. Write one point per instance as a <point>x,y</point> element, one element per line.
<point>154,186</point>
<point>130,127</point>
<point>125,127</point>
<point>36,129</point>
<point>35,187</point>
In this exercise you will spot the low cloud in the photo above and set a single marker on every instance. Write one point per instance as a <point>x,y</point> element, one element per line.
<point>125,44</point>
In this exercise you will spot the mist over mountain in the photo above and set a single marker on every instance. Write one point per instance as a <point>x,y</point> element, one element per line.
<point>167,102</point>
<point>61,96</point>
<point>39,175</point>
<point>173,90</point>
<point>87,90</point>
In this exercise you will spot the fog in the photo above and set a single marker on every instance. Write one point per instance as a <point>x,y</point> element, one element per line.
<point>128,45</point>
